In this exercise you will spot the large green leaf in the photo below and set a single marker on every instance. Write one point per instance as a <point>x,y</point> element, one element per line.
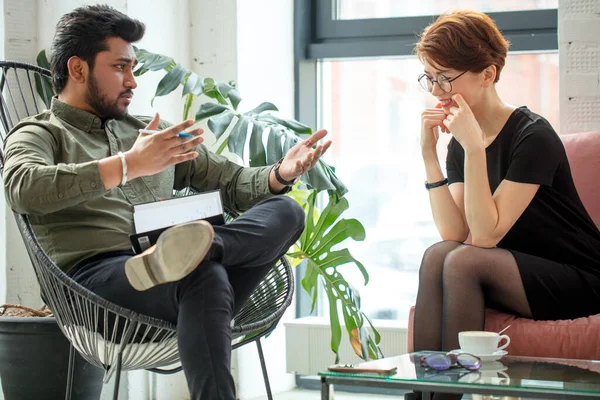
<point>207,110</point>
<point>235,98</point>
<point>266,106</point>
<point>237,137</point>
<point>211,89</point>
<point>274,150</point>
<point>317,244</point>
<point>257,149</point>
<point>43,84</point>
<point>289,123</point>
<point>219,123</point>
<point>171,81</point>
<point>193,85</point>
<point>148,61</point>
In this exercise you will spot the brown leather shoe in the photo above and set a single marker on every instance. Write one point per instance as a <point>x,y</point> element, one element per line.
<point>177,252</point>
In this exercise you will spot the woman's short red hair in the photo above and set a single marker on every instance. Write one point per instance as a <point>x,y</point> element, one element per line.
<point>464,40</point>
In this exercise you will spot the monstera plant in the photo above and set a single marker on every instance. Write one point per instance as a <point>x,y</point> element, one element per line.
<point>319,244</point>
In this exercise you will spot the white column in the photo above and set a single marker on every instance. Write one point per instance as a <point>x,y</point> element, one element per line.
<point>265,43</point>
<point>579,45</point>
<point>19,43</point>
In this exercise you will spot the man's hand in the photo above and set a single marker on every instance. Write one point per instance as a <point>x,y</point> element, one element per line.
<point>153,153</point>
<point>302,157</point>
<point>299,159</point>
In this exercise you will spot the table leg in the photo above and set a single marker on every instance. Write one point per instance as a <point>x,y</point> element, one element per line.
<point>426,395</point>
<point>324,389</point>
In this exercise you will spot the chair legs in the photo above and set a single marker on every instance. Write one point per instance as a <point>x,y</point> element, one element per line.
<point>70,373</point>
<point>118,377</point>
<point>264,369</point>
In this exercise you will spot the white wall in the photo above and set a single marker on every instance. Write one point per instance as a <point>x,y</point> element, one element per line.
<point>579,44</point>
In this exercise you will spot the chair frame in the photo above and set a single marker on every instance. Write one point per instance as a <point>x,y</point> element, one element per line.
<point>107,335</point>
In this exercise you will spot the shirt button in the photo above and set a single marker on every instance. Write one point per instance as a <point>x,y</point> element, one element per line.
<point>133,196</point>
<point>93,184</point>
<point>60,195</point>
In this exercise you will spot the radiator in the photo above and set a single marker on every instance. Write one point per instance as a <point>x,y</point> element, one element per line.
<point>308,348</point>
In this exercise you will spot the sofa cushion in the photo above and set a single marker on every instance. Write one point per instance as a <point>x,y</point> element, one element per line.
<point>583,151</point>
<point>575,338</point>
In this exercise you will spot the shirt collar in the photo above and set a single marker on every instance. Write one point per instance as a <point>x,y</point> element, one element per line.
<point>80,119</point>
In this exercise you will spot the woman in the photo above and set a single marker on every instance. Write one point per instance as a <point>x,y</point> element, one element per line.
<point>534,252</point>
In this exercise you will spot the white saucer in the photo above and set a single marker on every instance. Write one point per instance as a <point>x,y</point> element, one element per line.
<point>493,366</point>
<point>486,358</point>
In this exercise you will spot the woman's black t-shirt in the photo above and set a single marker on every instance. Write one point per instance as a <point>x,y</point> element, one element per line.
<point>555,225</point>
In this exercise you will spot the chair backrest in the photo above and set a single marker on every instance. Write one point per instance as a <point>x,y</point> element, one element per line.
<point>26,90</point>
<point>583,151</point>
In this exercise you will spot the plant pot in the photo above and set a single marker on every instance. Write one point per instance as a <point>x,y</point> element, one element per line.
<point>34,360</point>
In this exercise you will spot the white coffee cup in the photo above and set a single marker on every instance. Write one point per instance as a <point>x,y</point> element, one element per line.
<point>481,342</point>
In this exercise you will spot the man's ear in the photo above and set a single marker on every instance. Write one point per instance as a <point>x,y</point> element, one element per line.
<point>489,76</point>
<point>78,69</point>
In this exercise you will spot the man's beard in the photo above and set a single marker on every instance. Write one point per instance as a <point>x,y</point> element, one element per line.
<point>101,105</point>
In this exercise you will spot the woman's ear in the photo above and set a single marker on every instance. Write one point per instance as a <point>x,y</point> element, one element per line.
<point>78,69</point>
<point>489,76</point>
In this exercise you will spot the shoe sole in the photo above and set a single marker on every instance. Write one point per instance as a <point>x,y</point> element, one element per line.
<point>178,251</point>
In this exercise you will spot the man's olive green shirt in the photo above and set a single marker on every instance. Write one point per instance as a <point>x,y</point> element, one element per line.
<point>51,174</point>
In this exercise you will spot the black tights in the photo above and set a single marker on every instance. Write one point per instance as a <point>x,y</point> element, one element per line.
<point>456,283</point>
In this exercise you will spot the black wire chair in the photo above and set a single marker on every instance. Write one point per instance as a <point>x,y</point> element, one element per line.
<point>107,335</point>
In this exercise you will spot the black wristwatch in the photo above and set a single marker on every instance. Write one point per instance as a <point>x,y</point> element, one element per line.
<point>279,178</point>
<point>436,184</point>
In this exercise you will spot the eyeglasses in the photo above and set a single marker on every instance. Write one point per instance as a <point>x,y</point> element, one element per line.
<point>442,80</point>
<point>442,362</point>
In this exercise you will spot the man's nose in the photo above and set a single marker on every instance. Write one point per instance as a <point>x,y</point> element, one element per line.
<point>131,82</point>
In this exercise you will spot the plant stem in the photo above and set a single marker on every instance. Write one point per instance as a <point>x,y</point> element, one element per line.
<point>222,146</point>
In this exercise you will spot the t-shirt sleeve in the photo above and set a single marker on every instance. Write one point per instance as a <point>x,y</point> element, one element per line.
<point>536,157</point>
<point>454,165</point>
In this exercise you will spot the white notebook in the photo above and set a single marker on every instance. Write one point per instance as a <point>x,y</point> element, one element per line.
<point>150,219</point>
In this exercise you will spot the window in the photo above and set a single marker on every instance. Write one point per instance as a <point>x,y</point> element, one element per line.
<point>357,76</point>
<point>362,9</point>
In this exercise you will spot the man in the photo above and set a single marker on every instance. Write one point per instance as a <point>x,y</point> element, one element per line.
<point>78,169</point>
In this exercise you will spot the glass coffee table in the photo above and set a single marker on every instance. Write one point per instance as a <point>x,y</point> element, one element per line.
<point>548,378</point>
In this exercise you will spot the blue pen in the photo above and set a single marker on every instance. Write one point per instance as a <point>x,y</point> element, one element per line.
<point>180,134</point>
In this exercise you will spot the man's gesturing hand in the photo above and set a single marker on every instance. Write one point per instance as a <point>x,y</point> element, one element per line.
<point>153,153</point>
<point>302,157</point>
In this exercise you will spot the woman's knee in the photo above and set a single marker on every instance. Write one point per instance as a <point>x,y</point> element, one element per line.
<point>462,262</point>
<point>433,258</point>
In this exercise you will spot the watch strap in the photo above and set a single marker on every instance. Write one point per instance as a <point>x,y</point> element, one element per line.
<point>436,184</point>
<point>278,175</point>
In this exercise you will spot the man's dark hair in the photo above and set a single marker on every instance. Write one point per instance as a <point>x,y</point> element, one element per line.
<point>83,33</point>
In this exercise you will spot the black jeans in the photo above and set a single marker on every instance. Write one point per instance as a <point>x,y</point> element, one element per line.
<point>203,303</point>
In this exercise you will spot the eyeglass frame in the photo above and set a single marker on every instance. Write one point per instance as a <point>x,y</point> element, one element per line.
<point>434,81</point>
<point>453,358</point>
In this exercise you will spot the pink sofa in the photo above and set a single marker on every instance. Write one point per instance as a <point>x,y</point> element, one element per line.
<point>578,338</point>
